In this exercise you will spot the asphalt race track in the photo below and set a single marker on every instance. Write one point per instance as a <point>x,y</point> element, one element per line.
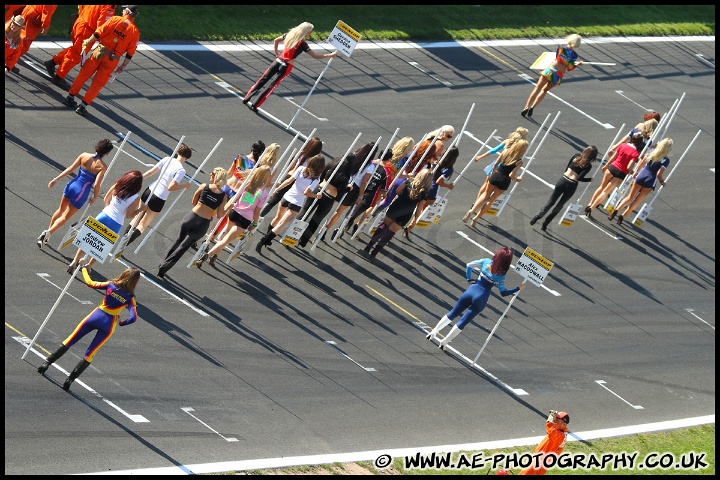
<point>297,352</point>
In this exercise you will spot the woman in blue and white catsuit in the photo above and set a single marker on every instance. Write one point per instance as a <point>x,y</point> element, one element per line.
<point>475,298</point>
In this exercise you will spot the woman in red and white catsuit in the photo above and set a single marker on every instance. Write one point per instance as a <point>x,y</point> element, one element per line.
<point>294,44</point>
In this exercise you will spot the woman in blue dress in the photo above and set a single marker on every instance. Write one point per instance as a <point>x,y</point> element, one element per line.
<point>473,301</point>
<point>76,192</point>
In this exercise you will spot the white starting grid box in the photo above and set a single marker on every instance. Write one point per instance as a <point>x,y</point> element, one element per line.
<point>344,38</point>
<point>95,239</point>
<point>533,266</point>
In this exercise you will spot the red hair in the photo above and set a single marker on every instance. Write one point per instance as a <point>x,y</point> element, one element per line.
<point>501,261</point>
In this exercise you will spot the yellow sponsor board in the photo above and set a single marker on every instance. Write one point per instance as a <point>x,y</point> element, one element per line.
<point>348,30</point>
<point>101,229</point>
<point>537,258</point>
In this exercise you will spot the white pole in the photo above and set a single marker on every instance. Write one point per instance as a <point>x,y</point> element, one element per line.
<point>177,197</point>
<point>327,182</point>
<point>57,302</point>
<point>310,92</point>
<point>472,159</point>
<point>68,234</point>
<point>602,160</point>
<point>673,169</point>
<point>120,246</point>
<point>496,325</point>
<point>525,167</point>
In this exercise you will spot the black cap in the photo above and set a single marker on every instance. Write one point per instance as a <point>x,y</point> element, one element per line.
<point>563,416</point>
<point>133,9</point>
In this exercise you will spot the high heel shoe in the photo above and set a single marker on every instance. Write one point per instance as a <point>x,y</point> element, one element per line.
<point>71,268</point>
<point>534,220</point>
<point>199,262</point>
<point>620,220</point>
<point>524,112</point>
<point>588,212</point>
<point>467,216</point>
<point>612,215</point>
<point>473,221</point>
<point>529,112</point>
<point>406,234</point>
<point>212,259</point>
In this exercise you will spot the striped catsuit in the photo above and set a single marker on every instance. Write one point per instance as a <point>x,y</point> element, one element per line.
<point>90,17</point>
<point>281,67</point>
<point>118,36</point>
<point>104,318</point>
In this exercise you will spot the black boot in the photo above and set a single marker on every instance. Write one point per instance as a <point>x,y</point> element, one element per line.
<point>384,240</point>
<point>79,368</point>
<point>534,219</point>
<point>52,358</point>
<point>135,234</point>
<point>265,241</point>
<point>376,237</point>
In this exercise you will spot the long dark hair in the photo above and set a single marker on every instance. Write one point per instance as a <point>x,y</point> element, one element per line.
<point>313,147</point>
<point>360,155</point>
<point>450,158</point>
<point>129,184</point>
<point>501,261</point>
<point>588,155</point>
<point>315,166</point>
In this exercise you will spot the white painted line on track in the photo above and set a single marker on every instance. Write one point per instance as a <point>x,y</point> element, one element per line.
<point>602,384</point>
<point>416,65</point>
<point>369,456</point>
<point>707,62</point>
<point>467,237</point>
<point>620,92</point>
<point>611,235</point>
<point>25,341</point>
<point>190,409</point>
<point>534,80</point>
<point>45,277</point>
<point>515,391</point>
<point>186,303</point>
<point>690,311</point>
<point>290,99</point>
<point>334,345</point>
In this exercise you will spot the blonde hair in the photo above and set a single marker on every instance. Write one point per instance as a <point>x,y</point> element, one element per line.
<point>220,176</point>
<point>402,148</point>
<point>520,133</point>
<point>513,152</point>
<point>661,151</point>
<point>258,178</point>
<point>297,34</point>
<point>270,155</point>
<point>421,183</point>
<point>649,127</point>
<point>573,40</point>
<point>14,38</point>
<point>444,129</point>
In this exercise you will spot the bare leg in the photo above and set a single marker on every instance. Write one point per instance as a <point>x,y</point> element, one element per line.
<point>64,212</point>
<point>542,81</point>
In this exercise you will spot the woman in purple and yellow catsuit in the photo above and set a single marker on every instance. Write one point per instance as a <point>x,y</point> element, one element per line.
<point>294,44</point>
<point>566,59</point>
<point>119,294</point>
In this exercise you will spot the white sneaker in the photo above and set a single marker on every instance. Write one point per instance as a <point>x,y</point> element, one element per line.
<point>43,239</point>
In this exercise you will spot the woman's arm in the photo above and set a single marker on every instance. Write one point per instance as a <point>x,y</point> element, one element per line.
<point>98,181</point>
<point>514,172</point>
<point>276,45</point>
<point>67,171</point>
<point>320,57</point>
<point>196,195</point>
<point>133,209</point>
<point>109,195</point>
<point>132,306</point>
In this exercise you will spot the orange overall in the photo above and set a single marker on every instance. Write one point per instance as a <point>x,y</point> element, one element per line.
<point>552,444</point>
<point>37,19</point>
<point>118,36</point>
<point>89,19</point>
